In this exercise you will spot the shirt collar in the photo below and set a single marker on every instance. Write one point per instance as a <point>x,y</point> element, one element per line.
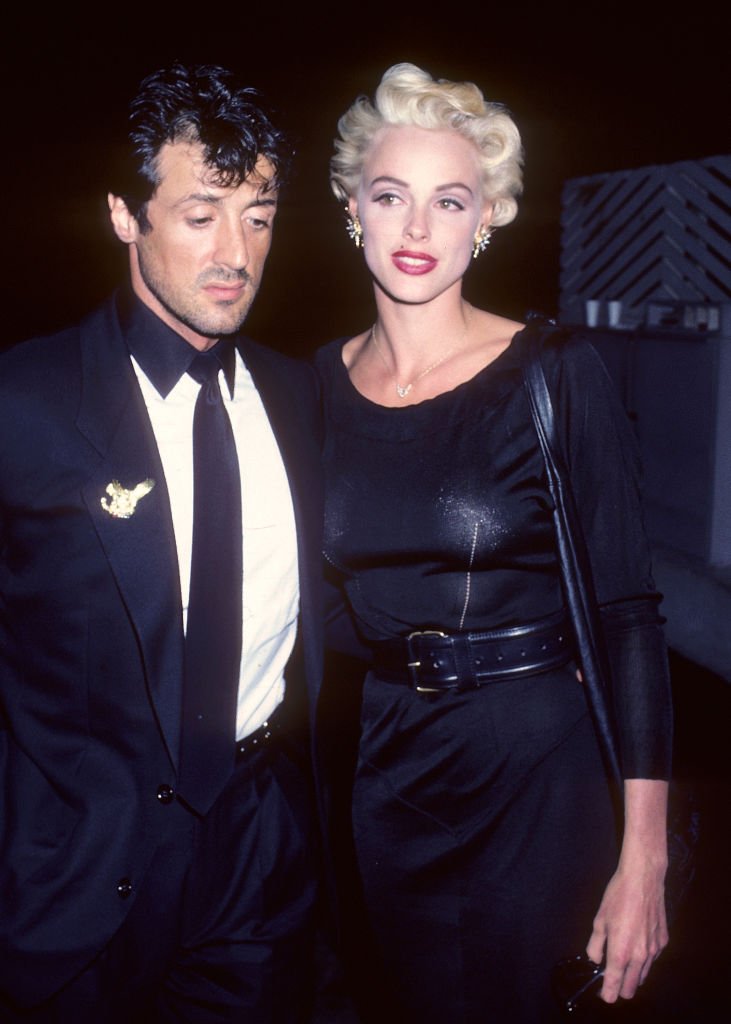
<point>161,352</point>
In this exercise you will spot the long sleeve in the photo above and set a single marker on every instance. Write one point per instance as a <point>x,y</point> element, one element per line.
<point>605,469</point>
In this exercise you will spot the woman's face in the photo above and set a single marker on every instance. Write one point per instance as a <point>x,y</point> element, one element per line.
<point>420,204</point>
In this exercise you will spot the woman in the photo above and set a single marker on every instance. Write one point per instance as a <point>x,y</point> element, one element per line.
<point>482,819</point>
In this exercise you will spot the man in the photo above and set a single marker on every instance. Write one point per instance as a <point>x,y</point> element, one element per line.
<point>156,854</point>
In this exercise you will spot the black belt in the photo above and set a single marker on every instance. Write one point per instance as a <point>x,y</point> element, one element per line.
<point>261,737</point>
<point>431,660</point>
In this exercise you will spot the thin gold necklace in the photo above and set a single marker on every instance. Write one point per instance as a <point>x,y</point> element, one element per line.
<point>402,390</point>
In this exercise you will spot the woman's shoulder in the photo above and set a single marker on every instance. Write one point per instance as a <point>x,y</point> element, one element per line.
<point>328,361</point>
<point>587,400</point>
<point>334,359</point>
<point>564,351</point>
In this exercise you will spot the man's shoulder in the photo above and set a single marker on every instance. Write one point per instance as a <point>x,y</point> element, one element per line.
<point>31,349</point>
<point>52,352</point>
<point>41,368</point>
<point>289,389</point>
<point>42,379</point>
<point>256,350</point>
<point>288,369</point>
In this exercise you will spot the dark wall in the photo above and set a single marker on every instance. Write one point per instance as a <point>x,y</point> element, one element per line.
<point>588,95</point>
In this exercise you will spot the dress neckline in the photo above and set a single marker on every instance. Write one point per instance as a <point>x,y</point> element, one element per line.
<point>495,365</point>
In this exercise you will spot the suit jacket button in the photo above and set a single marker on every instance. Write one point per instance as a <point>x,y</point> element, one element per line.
<point>165,793</point>
<point>124,888</point>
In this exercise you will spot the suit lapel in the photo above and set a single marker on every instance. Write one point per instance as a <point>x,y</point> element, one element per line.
<point>141,548</point>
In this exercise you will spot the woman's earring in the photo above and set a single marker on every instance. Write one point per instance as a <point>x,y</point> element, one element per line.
<point>354,229</point>
<point>482,240</point>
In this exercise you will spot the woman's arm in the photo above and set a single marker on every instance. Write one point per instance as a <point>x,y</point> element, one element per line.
<point>630,928</point>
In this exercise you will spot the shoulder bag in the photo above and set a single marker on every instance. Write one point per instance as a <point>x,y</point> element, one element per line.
<point>683,818</point>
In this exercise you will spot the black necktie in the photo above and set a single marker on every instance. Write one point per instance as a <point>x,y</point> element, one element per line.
<point>213,633</point>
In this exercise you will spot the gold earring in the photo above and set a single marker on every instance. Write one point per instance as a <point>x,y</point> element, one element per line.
<point>481,242</point>
<point>354,229</point>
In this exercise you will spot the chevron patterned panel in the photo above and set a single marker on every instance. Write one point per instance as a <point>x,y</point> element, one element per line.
<point>653,234</point>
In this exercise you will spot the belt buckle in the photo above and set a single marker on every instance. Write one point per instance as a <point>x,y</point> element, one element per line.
<point>413,666</point>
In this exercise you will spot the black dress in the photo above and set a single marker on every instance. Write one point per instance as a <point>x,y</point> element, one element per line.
<point>482,822</point>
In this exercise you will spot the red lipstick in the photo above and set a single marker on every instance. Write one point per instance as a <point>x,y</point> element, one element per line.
<point>409,262</point>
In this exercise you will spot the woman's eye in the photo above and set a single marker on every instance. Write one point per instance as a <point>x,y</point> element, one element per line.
<point>387,199</point>
<point>447,203</point>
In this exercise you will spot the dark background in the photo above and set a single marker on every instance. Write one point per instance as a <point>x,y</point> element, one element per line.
<point>592,90</point>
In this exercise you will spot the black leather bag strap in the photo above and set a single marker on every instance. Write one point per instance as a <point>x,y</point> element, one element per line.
<point>576,574</point>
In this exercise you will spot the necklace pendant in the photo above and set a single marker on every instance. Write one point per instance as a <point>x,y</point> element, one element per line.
<point>403,392</point>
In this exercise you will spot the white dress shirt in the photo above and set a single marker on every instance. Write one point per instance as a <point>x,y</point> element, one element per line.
<point>270,580</point>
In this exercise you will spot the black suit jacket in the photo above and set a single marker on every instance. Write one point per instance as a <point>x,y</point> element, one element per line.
<point>91,642</point>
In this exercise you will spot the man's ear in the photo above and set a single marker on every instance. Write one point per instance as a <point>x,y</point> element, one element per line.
<point>124,224</point>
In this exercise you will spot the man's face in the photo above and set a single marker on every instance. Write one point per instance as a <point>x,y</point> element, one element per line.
<point>199,264</point>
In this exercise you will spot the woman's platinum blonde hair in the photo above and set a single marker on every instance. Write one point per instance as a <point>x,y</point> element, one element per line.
<point>409,96</point>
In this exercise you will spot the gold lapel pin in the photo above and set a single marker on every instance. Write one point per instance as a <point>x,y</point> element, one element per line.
<point>124,502</point>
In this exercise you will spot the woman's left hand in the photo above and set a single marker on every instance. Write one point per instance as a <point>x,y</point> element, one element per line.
<point>630,927</point>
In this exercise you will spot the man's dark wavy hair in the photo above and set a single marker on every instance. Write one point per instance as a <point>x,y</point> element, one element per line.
<point>203,104</point>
